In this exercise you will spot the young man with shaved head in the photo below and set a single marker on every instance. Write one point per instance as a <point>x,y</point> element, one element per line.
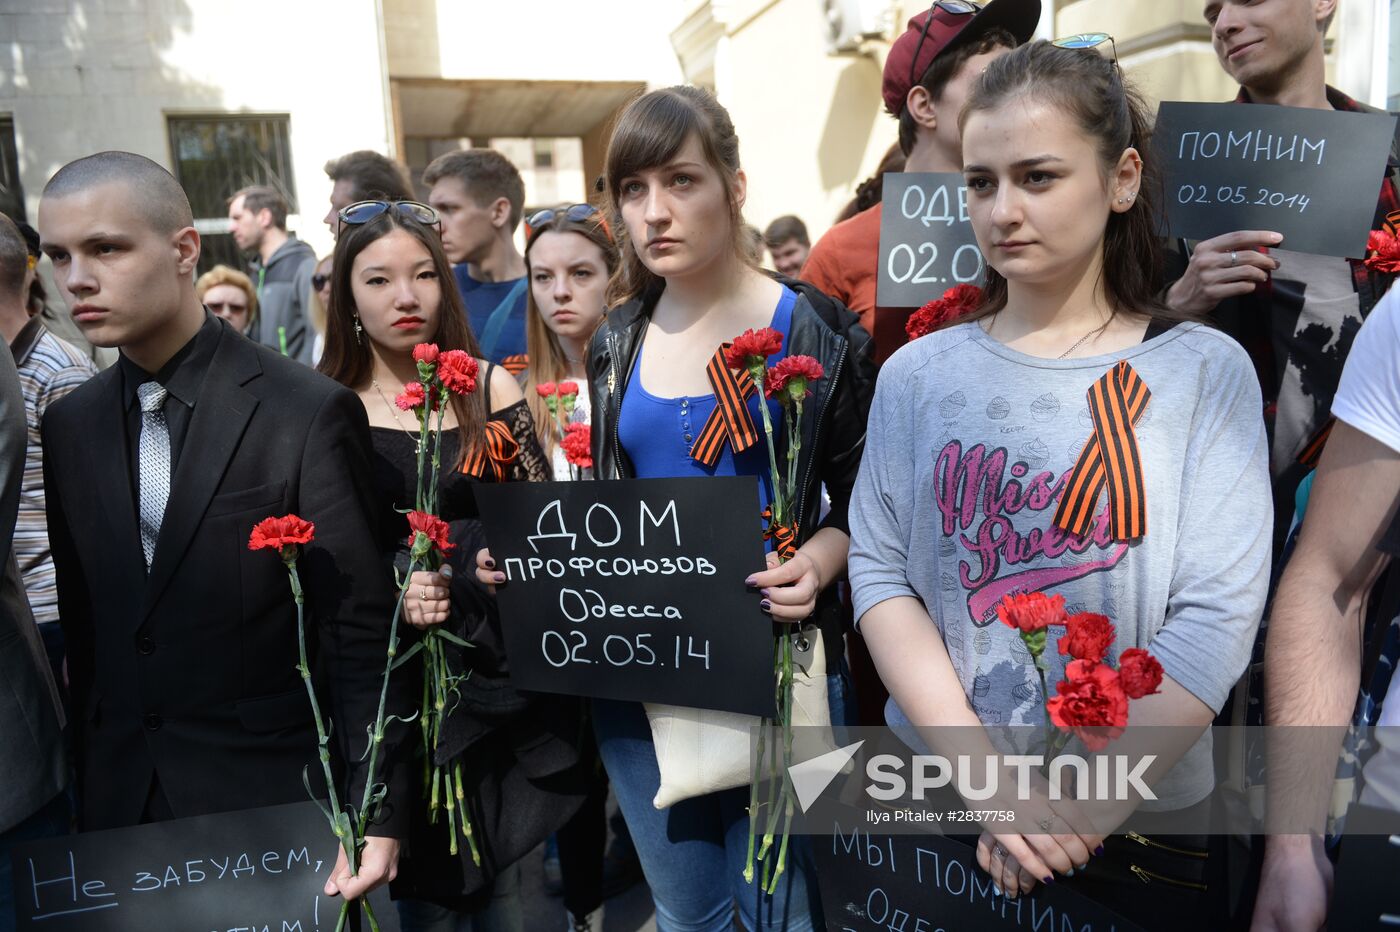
<point>182,652</point>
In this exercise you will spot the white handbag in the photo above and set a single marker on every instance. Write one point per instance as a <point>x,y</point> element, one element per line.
<point>700,751</point>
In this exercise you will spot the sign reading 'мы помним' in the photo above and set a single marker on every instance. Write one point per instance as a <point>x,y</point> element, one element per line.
<point>1311,175</point>
<point>634,589</point>
<point>926,241</point>
<point>255,869</point>
<point>929,883</point>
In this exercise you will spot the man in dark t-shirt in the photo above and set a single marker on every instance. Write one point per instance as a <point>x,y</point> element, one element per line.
<point>479,196</point>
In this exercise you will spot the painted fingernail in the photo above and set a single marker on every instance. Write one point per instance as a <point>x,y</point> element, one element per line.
<point>1050,879</point>
<point>750,581</point>
<point>489,564</point>
<point>498,577</point>
<point>997,889</point>
<point>766,606</point>
<point>1070,872</point>
<point>763,592</point>
<point>1098,852</point>
<point>1082,867</point>
<point>1011,896</point>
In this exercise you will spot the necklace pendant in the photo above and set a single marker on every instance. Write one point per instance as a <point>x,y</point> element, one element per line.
<point>418,447</point>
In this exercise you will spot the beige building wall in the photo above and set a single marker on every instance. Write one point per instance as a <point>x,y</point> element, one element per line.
<point>79,77</point>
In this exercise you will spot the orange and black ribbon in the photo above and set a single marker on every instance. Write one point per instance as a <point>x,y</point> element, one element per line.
<point>1109,458</point>
<point>783,536</point>
<point>516,364</point>
<point>1312,450</point>
<point>730,419</point>
<point>495,454</point>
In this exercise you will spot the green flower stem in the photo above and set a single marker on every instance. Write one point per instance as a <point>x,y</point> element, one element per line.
<point>462,812</point>
<point>756,373</point>
<point>753,798</point>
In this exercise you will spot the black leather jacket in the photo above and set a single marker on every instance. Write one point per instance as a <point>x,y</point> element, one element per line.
<point>833,428</point>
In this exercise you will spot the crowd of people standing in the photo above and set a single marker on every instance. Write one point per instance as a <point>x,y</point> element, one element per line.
<point>1260,445</point>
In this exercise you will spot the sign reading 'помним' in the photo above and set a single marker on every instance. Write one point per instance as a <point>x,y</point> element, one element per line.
<point>633,589</point>
<point>1311,175</point>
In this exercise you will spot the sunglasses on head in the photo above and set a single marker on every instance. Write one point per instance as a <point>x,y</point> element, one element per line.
<point>575,213</point>
<point>319,281</point>
<point>1088,40</point>
<point>365,211</point>
<point>956,8</point>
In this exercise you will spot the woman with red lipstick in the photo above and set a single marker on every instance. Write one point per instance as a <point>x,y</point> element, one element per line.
<point>392,289</point>
<point>1072,437</point>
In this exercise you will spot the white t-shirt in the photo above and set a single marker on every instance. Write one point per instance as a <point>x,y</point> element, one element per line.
<point>1368,399</point>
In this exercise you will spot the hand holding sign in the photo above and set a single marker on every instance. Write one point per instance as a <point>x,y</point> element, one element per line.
<point>1223,267</point>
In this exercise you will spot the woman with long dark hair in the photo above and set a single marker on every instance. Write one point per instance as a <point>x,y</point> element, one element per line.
<point>985,441</point>
<point>687,283</point>
<point>392,289</point>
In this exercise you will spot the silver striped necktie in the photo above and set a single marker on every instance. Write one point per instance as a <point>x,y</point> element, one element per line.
<point>154,463</point>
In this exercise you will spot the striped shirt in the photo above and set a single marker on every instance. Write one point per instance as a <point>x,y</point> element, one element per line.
<point>49,368</point>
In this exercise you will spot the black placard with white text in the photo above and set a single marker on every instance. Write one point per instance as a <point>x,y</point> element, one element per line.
<point>926,242</point>
<point>634,589</point>
<point>1311,175</point>
<point>930,883</point>
<point>255,869</point>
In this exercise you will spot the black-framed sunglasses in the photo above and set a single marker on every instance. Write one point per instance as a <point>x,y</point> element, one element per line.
<point>575,213</point>
<point>955,7</point>
<point>365,211</point>
<point>1089,40</point>
<point>319,281</point>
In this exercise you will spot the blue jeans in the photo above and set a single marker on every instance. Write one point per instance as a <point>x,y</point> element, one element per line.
<point>503,914</point>
<point>54,819</point>
<point>694,853</point>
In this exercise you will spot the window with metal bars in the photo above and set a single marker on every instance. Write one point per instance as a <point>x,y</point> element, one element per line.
<point>217,154</point>
<point>11,192</point>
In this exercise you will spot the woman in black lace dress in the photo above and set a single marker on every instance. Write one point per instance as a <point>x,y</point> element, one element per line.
<point>393,289</point>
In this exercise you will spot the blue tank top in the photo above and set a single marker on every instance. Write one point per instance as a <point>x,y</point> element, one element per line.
<point>657,433</point>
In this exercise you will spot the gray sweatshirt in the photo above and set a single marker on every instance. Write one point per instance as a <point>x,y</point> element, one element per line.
<point>968,447</point>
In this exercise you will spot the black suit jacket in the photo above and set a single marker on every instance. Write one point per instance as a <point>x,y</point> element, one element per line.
<point>190,674</point>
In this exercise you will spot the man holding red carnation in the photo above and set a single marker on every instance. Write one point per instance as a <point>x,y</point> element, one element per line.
<point>182,646</point>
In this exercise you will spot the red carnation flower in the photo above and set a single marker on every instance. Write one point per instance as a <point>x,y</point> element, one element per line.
<point>458,370</point>
<point>411,397</point>
<point>568,388</point>
<point>546,389</point>
<point>751,345</point>
<point>1139,672</point>
<point>1384,249</point>
<point>1032,611</point>
<point>425,352</point>
<point>279,533</point>
<point>793,373</point>
<point>1090,703</point>
<point>430,526</point>
<point>1089,637</point>
<point>578,445</point>
<point>956,301</point>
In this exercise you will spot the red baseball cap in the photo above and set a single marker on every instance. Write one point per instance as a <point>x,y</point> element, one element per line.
<point>946,25</point>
